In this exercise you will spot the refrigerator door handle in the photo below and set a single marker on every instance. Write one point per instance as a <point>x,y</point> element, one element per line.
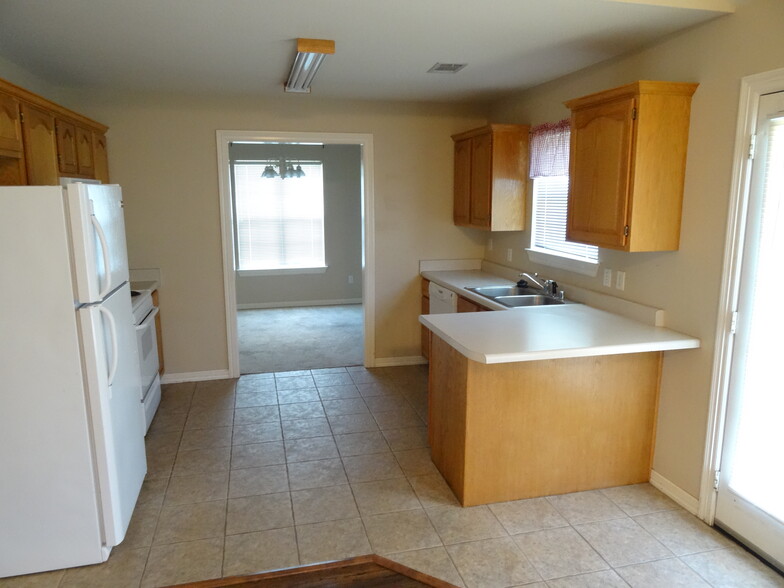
<point>107,268</point>
<point>115,350</point>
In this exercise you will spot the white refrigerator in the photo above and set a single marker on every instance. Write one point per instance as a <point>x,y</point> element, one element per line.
<point>72,457</point>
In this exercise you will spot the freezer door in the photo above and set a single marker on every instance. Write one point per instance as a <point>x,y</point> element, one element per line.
<point>113,391</point>
<point>100,257</point>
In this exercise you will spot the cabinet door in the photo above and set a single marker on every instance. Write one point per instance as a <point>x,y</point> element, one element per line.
<point>84,152</point>
<point>66,148</point>
<point>10,127</point>
<point>481,179</point>
<point>40,146</point>
<point>466,305</point>
<point>599,174</point>
<point>462,207</point>
<point>101,158</point>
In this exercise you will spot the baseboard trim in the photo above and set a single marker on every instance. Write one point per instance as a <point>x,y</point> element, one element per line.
<point>194,376</point>
<point>678,494</point>
<point>398,361</point>
<point>297,303</point>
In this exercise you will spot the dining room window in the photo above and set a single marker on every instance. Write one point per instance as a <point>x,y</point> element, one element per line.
<point>279,216</point>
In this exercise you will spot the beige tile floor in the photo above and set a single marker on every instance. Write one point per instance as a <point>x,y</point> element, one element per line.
<point>278,470</point>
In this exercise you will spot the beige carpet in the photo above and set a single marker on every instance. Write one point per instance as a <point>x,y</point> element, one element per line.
<point>283,339</point>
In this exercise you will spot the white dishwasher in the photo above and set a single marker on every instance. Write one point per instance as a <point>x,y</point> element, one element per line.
<point>442,300</point>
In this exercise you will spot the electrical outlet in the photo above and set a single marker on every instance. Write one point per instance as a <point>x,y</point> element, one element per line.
<point>508,255</point>
<point>351,279</point>
<point>489,244</point>
<point>607,282</point>
<point>620,280</point>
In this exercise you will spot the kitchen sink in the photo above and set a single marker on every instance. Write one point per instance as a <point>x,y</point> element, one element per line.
<point>494,292</point>
<point>527,300</point>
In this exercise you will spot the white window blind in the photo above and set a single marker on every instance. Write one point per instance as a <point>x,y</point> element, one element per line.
<point>279,222</point>
<point>549,220</point>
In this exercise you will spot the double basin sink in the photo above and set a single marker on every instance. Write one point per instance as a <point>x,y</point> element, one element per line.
<point>516,296</point>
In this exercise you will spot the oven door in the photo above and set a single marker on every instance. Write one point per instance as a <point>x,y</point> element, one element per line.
<point>148,350</point>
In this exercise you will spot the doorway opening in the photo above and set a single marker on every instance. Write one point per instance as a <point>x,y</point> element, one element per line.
<point>296,211</point>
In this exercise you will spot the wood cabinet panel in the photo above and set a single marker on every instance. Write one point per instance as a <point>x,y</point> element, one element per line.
<point>466,305</point>
<point>158,332</point>
<point>10,127</point>
<point>491,167</point>
<point>462,187</point>
<point>425,309</point>
<point>627,166</point>
<point>520,430</point>
<point>40,146</point>
<point>101,157</point>
<point>85,160</point>
<point>481,180</point>
<point>601,156</point>
<point>66,147</point>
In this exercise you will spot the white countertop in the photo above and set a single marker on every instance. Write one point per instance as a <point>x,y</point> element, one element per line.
<point>543,332</point>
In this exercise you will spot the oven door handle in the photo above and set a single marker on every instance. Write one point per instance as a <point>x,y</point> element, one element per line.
<point>145,324</point>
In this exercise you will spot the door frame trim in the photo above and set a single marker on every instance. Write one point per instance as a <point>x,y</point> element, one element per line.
<point>365,141</point>
<point>751,88</point>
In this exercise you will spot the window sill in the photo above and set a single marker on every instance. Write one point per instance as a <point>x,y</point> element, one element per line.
<point>290,271</point>
<point>578,266</point>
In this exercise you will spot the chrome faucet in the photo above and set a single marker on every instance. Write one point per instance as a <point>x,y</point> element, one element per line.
<point>548,287</point>
<point>533,278</point>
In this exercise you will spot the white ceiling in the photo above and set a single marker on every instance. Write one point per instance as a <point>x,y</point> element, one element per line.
<point>383,48</point>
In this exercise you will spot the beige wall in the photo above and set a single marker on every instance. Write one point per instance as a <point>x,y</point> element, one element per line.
<point>686,283</point>
<point>162,150</point>
<point>342,173</point>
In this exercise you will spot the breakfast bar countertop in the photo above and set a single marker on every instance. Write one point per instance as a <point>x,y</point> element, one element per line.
<point>548,332</point>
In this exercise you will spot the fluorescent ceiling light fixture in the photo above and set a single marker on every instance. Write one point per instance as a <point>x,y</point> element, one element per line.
<point>446,67</point>
<point>310,54</point>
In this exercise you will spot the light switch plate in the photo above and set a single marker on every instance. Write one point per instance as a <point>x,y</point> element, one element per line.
<point>508,255</point>
<point>620,280</point>
<point>607,282</point>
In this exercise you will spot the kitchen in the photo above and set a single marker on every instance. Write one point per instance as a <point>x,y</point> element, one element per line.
<point>173,215</point>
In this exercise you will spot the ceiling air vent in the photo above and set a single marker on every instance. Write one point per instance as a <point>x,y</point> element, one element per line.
<point>446,67</point>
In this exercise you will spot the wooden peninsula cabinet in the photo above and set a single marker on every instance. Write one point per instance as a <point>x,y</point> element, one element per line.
<point>627,166</point>
<point>41,141</point>
<point>491,169</point>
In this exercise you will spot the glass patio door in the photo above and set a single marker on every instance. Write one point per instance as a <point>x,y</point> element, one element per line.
<point>750,502</point>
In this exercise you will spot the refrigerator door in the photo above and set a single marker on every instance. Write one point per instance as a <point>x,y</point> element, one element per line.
<point>49,515</point>
<point>111,366</point>
<point>98,233</point>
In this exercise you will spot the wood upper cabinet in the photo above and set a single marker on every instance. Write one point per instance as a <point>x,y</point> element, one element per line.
<point>10,127</point>
<point>491,168</point>
<point>627,166</point>
<point>40,141</point>
<point>40,146</point>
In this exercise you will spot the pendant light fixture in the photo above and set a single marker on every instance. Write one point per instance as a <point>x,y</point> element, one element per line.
<point>310,54</point>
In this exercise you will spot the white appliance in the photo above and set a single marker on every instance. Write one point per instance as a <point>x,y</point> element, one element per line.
<point>442,300</point>
<point>144,313</point>
<point>72,457</point>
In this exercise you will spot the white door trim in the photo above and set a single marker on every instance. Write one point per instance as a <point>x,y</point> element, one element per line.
<point>752,87</point>
<point>365,141</point>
